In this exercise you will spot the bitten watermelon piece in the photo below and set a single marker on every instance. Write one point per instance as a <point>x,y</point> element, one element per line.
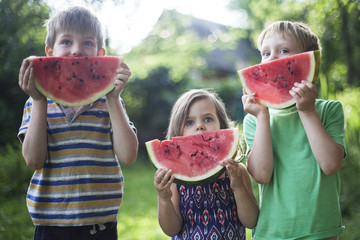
<point>272,81</point>
<point>195,159</point>
<point>75,81</point>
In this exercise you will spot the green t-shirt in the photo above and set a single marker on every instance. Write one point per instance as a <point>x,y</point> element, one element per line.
<point>300,201</point>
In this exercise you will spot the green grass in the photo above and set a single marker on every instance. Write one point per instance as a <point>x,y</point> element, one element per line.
<point>137,218</point>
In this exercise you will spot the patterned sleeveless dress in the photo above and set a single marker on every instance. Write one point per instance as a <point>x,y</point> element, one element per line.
<point>209,212</point>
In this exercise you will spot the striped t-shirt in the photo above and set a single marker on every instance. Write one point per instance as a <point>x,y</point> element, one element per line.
<point>81,182</point>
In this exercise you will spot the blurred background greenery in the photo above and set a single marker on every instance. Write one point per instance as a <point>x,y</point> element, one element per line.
<point>183,52</point>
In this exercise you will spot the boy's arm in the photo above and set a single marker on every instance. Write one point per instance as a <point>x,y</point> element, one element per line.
<point>328,153</point>
<point>125,142</point>
<point>260,160</point>
<point>34,146</point>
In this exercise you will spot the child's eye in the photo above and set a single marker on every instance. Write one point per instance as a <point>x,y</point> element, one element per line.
<point>266,54</point>
<point>189,122</point>
<point>208,120</point>
<point>283,51</point>
<point>88,43</point>
<point>66,42</point>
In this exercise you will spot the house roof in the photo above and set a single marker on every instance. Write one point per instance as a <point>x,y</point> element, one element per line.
<point>227,58</point>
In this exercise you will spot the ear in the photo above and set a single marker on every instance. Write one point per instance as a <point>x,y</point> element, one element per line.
<point>101,52</point>
<point>48,51</point>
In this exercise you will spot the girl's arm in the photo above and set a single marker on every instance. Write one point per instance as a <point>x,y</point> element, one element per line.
<point>247,207</point>
<point>260,160</point>
<point>34,146</point>
<point>125,142</point>
<point>169,216</point>
<point>328,153</point>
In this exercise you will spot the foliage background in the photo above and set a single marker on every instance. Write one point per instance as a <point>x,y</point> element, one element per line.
<point>163,69</point>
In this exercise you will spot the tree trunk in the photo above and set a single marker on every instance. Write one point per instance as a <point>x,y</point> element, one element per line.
<point>346,39</point>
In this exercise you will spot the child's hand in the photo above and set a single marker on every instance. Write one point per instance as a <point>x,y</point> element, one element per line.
<point>305,95</point>
<point>235,171</point>
<point>251,105</point>
<point>27,81</point>
<point>162,181</point>
<point>122,77</point>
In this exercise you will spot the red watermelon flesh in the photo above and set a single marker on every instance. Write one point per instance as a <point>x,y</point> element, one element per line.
<point>194,159</point>
<point>272,81</point>
<point>75,81</point>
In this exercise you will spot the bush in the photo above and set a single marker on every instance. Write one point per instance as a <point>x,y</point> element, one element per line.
<point>350,98</point>
<point>14,173</point>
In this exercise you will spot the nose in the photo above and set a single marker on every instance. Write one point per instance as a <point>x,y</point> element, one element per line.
<point>200,126</point>
<point>273,56</point>
<point>76,50</point>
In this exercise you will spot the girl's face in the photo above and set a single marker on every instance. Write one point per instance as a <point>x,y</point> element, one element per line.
<point>74,44</point>
<point>278,46</point>
<point>202,117</point>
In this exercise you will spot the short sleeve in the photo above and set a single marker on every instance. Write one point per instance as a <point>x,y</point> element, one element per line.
<point>332,116</point>
<point>25,120</point>
<point>249,126</point>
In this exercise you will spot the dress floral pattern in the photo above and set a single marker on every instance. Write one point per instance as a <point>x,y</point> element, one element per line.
<point>209,212</point>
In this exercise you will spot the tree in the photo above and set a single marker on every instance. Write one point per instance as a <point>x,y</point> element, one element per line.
<point>22,34</point>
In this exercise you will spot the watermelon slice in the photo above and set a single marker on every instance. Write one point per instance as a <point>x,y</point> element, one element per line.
<point>272,81</point>
<point>75,81</point>
<point>195,159</point>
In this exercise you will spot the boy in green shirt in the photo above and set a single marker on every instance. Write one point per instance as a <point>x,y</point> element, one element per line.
<point>295,153</point>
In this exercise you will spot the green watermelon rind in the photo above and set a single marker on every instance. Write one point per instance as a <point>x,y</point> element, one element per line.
<point>78,103</point>
<point>205,178</point>
<point>313,76</point>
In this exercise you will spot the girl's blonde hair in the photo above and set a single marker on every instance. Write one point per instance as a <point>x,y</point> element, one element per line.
<point>181,108</point>
<point>77,19</point>
<point>299,31</point>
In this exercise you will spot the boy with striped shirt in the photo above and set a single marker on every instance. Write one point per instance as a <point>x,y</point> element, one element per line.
<point>77,188</point>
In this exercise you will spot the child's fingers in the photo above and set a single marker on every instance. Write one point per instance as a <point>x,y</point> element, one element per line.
<point>24,72</point>
<point>162,176</point>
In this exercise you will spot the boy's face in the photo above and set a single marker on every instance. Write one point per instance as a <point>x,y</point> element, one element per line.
<point>74,44</point>
<point>277,46</point>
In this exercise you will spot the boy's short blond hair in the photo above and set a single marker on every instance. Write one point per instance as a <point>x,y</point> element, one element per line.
<point>182,106</point>
<point>78,19</point>
<point>299,31</point>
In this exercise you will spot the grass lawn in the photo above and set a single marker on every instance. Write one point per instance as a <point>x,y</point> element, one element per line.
<point>137,218</point>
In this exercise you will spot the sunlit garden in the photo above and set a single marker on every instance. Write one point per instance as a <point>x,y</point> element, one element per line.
<point>180,53</point>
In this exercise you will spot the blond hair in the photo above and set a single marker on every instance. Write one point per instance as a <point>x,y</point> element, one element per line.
<point>299,31</point>
<point>77,19</point>
<point>181,108</point>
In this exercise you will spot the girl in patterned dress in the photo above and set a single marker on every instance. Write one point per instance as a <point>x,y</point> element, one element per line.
<point>221,209</point>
